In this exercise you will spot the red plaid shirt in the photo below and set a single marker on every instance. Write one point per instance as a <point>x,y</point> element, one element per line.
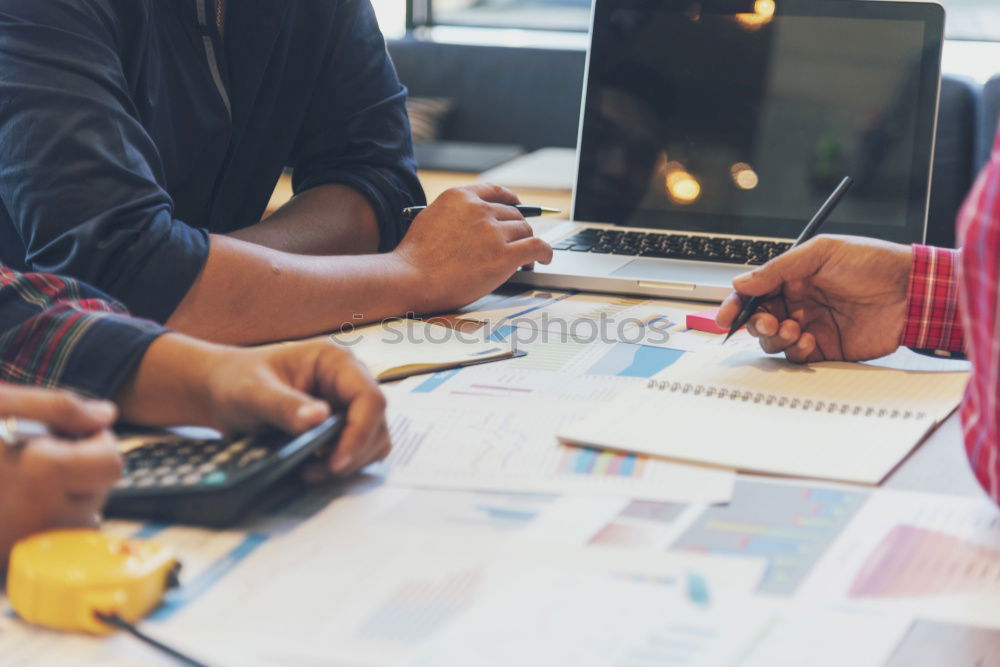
<point>953,306</point>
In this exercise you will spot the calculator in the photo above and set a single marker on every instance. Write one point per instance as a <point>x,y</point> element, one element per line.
<point>213,481</point>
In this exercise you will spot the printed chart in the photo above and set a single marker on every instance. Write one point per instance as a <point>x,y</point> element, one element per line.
<point>790,525</point>
<point>476,443</point>
<point>933,555</point>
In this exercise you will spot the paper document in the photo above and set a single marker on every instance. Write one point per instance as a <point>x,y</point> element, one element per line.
<point>651,322</point>
<point>850,422</point>
<point>400,348</point>
<point>371,595</point>
<point>934,555</point>
<point>480,443</point>
<point>569,621</point>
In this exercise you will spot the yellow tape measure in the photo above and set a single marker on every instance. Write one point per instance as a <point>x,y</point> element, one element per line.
<point>63,579</point>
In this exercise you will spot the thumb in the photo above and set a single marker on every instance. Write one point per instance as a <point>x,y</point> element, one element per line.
<point>64,412</point>
<point>797,264</point>
<point>289,409</point>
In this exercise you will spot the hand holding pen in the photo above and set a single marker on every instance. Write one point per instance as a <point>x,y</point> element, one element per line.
<point>810,230</point>
<point>528,211</point>
<point>834,298</point>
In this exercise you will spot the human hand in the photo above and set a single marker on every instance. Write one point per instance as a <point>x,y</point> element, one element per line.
<point>292,387</point>
<point>50,482</point>
<point>834,298</point>
<point>466,244</point>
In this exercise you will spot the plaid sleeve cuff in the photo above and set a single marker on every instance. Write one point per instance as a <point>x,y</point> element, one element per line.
<point>932,316</point>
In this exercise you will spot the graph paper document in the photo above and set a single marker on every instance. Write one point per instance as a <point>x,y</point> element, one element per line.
<point>471,442</point>
<point>839,421</point>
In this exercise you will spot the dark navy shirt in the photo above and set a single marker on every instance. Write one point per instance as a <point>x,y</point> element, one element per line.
<point>129,130</point>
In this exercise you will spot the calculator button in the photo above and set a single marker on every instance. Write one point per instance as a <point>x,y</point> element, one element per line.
<point>191,480</point>
<point>169,480</point>
<point>162,471</point>
<point>145,482</point>
<point>185,469</point>
<point>217,477</point>
<point>123,483</point>
<point>206,468</point>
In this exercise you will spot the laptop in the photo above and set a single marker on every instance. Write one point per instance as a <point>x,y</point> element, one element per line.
<point>712,130</point>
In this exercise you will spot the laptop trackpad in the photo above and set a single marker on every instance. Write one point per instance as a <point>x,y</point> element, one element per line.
<point>674,271</point>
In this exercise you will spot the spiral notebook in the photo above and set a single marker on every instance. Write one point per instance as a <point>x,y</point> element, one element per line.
<point>838,421</point>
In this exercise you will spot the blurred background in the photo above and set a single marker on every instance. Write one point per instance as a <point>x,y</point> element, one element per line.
<point>977,20</point>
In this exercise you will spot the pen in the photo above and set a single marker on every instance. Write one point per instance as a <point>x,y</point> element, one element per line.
<point>753,303</point>
<point>15,433</point>
<point>527,211</point>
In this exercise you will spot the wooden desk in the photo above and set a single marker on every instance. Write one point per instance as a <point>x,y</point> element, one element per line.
<point>436,182</point>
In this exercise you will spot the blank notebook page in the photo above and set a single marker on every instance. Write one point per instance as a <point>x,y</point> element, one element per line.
<point>849,422</point>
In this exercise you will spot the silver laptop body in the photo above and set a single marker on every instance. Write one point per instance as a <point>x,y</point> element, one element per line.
<point>689,176</point>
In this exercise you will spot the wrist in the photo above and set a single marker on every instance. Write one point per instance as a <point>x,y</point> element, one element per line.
<point>933,318</point>
<point>417,291</point>
<point>173,384</point>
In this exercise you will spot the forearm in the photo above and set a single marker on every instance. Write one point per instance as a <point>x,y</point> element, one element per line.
<point>250,294</point>
<point>325,220</point>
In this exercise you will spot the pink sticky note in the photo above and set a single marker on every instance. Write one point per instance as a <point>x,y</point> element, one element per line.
<point>705,321</point>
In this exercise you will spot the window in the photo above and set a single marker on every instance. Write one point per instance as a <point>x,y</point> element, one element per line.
<point>973,19</point>
<point>967,19</point>
<point>573,15</point>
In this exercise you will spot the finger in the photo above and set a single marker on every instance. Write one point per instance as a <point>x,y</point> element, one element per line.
<point>364,413</point>
<point>80,512</point>
<point>92,465</point>
<point>797,264</point>
<point>343,380</point>
<point>730,308</point>
<point>287,408</point>
<point>494,193</point>
<point>805,350</point>
<point>381,444</point>
<point>375,449</point>
<point>763,325</point>
<point>785,335</point>
<point>515,230</point>
<point>531,250</point>
<point>504,212</point>
<point>62,411</point>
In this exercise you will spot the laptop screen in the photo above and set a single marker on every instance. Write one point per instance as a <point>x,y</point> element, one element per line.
<point>741,116</point>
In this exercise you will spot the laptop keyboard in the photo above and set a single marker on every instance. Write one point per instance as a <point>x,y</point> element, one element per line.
<point>672,246</point>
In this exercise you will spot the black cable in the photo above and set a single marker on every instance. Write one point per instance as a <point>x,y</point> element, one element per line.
<point>122,624</point>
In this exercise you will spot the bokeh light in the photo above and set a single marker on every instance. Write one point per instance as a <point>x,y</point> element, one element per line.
<point>682,187</point>
<point>744,176</point>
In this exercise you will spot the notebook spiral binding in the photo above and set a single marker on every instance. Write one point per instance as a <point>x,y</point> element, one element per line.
<point>780,401</point>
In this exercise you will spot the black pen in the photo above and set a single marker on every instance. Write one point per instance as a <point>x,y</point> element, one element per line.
<point>527,211</point>
<point>753,303</point>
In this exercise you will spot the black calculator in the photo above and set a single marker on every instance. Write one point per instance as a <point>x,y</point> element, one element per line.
<point>210,482</point>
